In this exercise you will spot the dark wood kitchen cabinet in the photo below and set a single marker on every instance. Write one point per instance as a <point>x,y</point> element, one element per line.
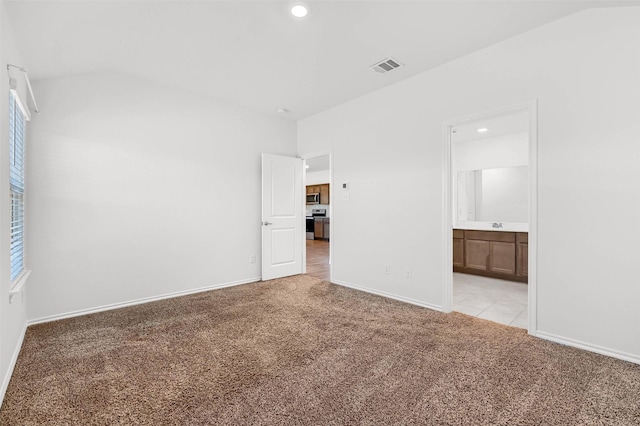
<point>318,228</point>
<point>490,253</point>
<point>323,190</point>
<point>324,194</point>
<point>325,223</point>
<point>321,228</point>
<point>313,189</point>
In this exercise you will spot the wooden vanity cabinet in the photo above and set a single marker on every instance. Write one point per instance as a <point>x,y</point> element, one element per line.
<point>502,259</point>
<point>522,254</point>
<point>458,247</point>
<point>476,254</point>
<point>490,253</point>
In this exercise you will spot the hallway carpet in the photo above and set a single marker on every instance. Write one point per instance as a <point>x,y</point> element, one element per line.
<point>302,351</point>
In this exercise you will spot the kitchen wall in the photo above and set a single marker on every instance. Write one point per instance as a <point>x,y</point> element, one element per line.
<point>13,312</point>
<point>319,177</point>
<point>137,190</point>
<point>318,206</point>
<point>388,145</point>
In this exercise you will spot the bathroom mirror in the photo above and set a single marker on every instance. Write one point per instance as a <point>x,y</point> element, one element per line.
<point>490,173</point>
<point>493,195</point>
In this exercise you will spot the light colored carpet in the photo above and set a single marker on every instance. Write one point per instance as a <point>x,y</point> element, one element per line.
<point>302,351</point>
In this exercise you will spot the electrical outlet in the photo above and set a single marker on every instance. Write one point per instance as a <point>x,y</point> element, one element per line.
<point>387,269</point>
<point>408,273</point>
<point>252,258</point>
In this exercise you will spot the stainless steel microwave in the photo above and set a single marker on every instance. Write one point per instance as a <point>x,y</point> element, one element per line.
<point>313,198</point>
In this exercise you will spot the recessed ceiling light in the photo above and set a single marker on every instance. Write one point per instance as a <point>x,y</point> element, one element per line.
<point>282,110</point>
<point>299,10</point>
<point>482,129</point>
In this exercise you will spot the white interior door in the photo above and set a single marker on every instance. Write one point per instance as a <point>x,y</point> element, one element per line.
<point>282,216</point>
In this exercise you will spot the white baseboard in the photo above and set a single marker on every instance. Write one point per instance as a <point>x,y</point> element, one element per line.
<point>118,305</point>
<point>12,365</point>
<point>547,336</point>
<point>589,347</point>
<point>388,295</point>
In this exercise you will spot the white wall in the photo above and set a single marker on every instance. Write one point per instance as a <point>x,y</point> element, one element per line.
<point>139,190</point>
<point>504,151</point>
<point>12,314</point>
<point>389,145</point>
<point>319,177</point>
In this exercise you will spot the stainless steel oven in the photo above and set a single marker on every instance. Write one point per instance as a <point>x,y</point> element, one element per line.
<point>310,228</point>
<point>311,222</point>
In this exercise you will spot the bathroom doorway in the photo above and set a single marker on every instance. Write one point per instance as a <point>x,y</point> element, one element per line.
<point>318,193</point>
<point>490,219</point>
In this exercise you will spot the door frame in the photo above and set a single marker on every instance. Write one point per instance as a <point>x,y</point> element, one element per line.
<point>306,157</point>
<point>531,108</point>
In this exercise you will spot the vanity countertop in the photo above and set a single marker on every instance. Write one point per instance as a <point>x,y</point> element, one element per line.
<point>488,226</point>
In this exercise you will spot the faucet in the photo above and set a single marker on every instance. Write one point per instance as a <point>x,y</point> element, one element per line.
<point>497,224</point>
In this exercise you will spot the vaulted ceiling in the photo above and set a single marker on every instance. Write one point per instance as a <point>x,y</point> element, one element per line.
<point>252,53</point>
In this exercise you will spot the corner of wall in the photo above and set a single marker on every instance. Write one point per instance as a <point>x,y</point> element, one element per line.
<point>12,312</point>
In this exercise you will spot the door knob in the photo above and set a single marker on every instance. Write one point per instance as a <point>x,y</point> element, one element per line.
<point>267,223</point>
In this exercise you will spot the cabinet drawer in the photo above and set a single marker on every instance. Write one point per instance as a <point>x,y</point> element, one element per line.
<point>506,237</point>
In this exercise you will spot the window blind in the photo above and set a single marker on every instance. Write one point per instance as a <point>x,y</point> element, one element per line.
<point>16,183</point>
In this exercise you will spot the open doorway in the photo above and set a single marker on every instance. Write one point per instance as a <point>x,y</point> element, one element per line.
<point>490,196</point>
<point>318,216</point>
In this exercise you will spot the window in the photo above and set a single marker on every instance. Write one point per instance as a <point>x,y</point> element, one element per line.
<point>16,182</point>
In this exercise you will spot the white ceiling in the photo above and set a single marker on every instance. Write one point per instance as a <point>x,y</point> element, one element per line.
<point>252,53</point>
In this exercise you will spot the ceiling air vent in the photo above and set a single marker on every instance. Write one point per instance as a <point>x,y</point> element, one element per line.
<point>386,65</point>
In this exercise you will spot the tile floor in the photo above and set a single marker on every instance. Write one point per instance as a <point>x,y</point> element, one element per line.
<point>491,299</point>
